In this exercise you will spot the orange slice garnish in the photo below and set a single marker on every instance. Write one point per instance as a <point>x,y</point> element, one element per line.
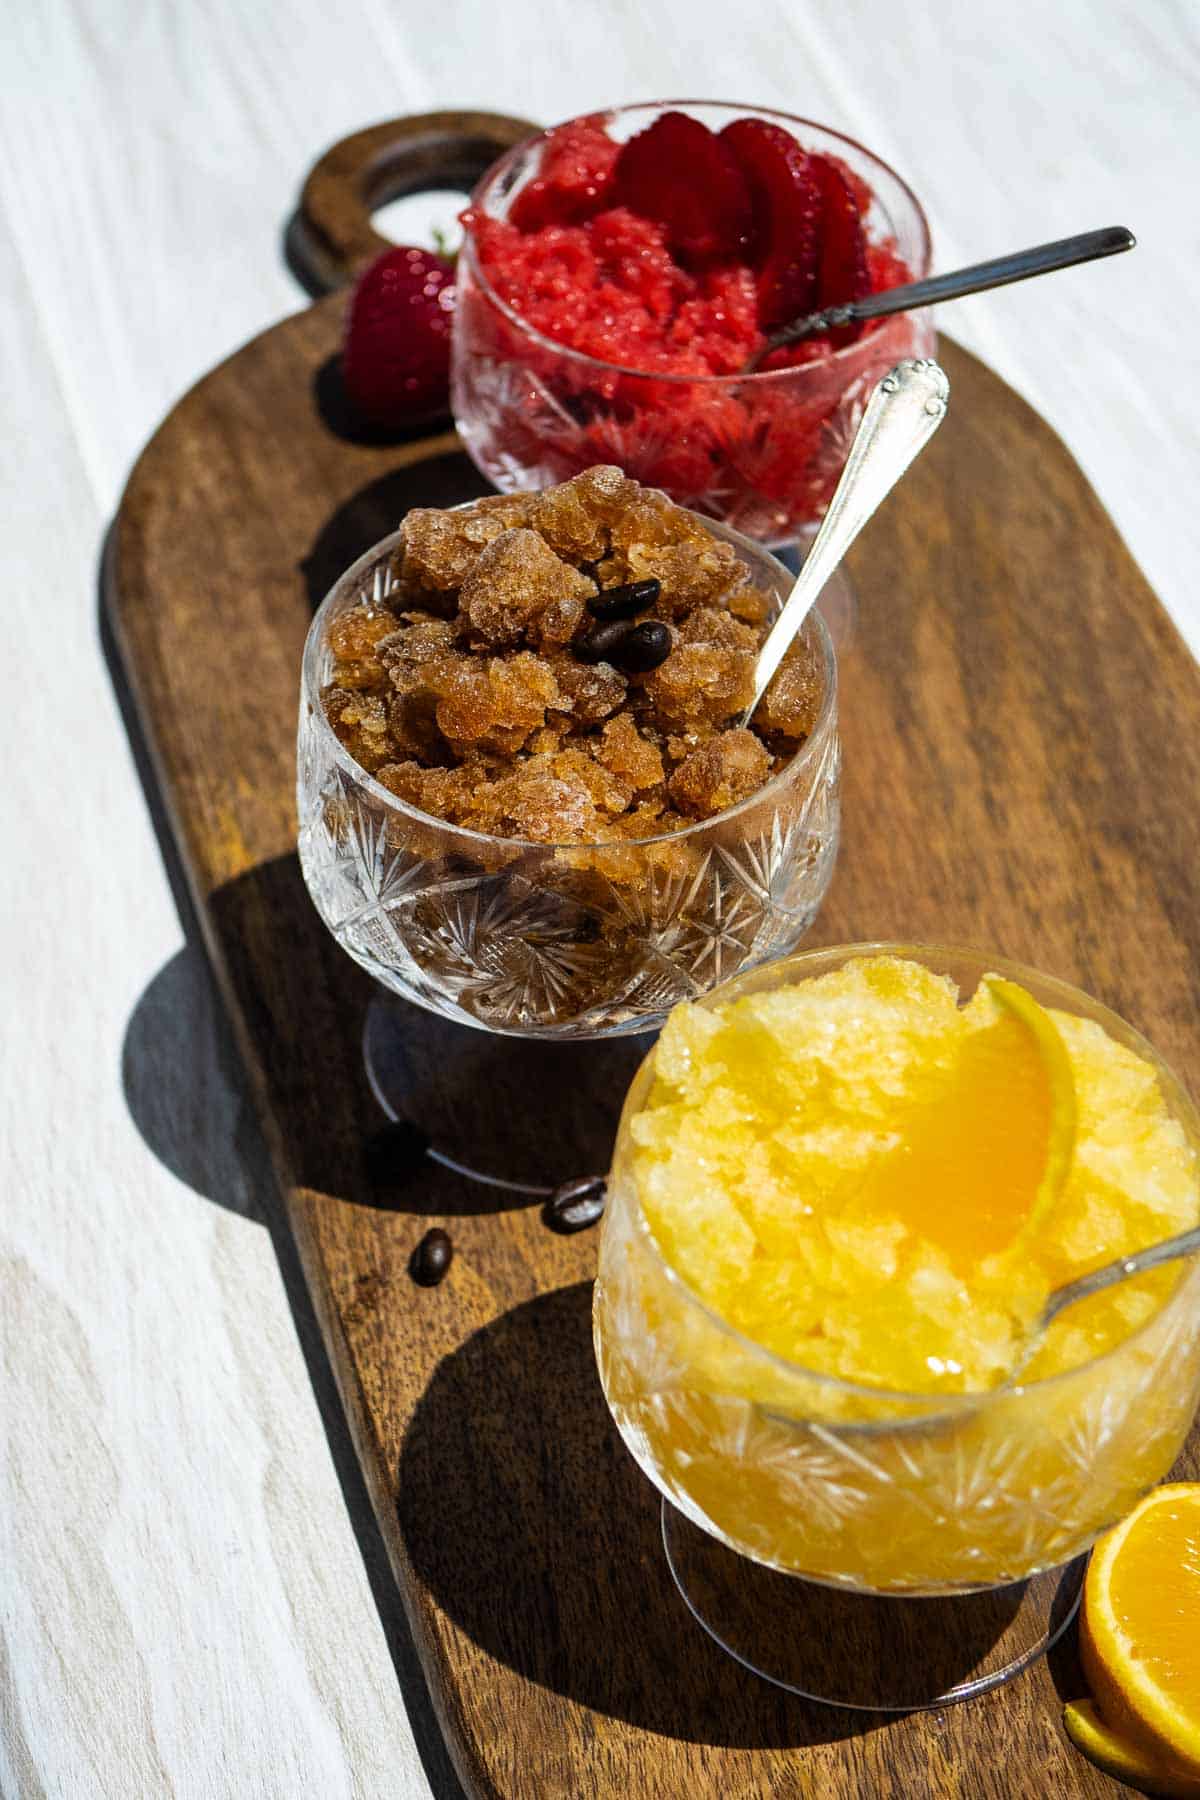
<point>978,1165</point>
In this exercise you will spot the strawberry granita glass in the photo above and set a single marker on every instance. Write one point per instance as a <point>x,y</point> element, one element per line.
<point>620,272</point>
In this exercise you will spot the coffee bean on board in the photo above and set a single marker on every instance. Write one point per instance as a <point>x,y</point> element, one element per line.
<point>431,1258</point>
<point>576,1204</point>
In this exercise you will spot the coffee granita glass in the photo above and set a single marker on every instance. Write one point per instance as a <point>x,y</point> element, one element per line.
<point>526,798</point>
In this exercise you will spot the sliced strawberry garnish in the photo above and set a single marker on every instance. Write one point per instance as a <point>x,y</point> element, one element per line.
<point>859,186</point>
<point>786,199</point>
<point>843,274</point>
<point>686,179</point>
<point>573,180</point>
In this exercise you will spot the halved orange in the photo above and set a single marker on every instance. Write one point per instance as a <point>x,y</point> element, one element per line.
<point>1139,1636</point>
<point>1125,1761</point>
<point>978,1165</point>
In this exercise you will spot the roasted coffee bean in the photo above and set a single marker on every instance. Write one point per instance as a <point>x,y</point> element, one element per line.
<point>600,643</point>
<point>576,1204</point>
<point>395,1152</point>
<point>644,649</point>
<point>431,1258</point>
<point>624,601</point>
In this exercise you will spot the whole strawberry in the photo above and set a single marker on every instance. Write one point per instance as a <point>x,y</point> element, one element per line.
<point>396,354</point>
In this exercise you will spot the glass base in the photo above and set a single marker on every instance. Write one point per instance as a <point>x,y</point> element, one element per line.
<point>872,1653</point>
<point>482,1102</point>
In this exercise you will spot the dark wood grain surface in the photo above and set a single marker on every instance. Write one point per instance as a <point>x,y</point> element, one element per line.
<point>1022,771</point>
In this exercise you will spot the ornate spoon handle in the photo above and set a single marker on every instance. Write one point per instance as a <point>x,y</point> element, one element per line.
<point>901,416</point>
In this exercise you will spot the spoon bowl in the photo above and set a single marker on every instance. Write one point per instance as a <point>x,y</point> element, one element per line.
<point>1124,1268</point>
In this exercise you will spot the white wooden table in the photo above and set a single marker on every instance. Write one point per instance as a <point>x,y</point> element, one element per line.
<point>185,1605</point>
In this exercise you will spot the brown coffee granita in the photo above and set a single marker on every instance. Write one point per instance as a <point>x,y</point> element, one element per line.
<point>567,667</point>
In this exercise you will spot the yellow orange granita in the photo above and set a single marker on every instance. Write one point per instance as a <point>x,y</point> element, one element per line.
<point>839,1197</point>
<point>878,1183</point>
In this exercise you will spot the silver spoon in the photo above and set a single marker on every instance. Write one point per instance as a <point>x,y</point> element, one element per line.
<point>1018,265</point>
<point>1184,1243</point>
<point>902,415</point>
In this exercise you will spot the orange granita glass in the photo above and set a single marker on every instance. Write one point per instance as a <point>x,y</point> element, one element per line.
<point>809,1354</point>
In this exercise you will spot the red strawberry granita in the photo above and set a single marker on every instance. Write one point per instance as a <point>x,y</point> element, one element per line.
<point>621,272</point>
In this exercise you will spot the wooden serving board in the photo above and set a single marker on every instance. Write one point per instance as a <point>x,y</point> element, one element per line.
<point>1022,771</point>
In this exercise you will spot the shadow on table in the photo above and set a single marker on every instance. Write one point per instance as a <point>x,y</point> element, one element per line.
<point>481,1100</point>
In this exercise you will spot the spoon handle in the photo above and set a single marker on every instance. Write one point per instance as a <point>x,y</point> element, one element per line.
<point>902,414</point>
<point>1185,1243</point>
<point>999,271</point>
